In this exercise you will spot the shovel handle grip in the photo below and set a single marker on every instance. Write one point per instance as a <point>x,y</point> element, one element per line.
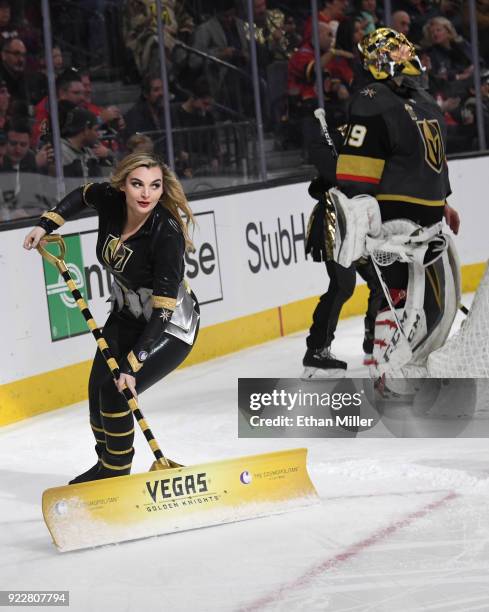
<point>53,259</point>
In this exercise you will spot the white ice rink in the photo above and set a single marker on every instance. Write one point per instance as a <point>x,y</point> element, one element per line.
<point>403,524</point>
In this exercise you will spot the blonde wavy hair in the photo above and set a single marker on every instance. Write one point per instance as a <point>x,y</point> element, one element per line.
<point>173,197</point>
<point>441,21</point>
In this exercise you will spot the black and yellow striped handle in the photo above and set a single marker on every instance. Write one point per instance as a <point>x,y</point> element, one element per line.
<point>161,461</point>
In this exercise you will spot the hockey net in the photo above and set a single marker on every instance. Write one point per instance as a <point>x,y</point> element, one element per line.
<point>466,354</point>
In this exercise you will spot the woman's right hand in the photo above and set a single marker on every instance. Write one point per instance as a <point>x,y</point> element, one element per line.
<point>33,238</point>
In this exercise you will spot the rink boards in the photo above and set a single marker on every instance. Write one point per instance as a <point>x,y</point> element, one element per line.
<point>249,272</point>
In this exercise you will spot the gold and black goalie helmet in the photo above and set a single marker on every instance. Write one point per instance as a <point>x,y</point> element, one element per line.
<point>387,53</point>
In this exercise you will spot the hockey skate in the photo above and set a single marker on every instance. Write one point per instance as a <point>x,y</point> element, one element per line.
<point>321,363</point>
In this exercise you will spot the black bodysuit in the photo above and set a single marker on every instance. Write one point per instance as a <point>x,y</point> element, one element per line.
<point>150,259</point>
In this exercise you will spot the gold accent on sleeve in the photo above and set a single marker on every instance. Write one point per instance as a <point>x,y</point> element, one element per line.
<point>358,165</point>
<point>409,199</point>
<point>84,192</point>
<point>52,216</point>
<point>160,301</point>
<point>133,362</point>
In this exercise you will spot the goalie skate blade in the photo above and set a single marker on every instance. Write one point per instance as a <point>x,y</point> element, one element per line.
<point>126,508</point>
<point>318,373</point>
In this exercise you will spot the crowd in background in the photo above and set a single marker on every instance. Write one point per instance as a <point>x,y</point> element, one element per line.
<point>103,42</point>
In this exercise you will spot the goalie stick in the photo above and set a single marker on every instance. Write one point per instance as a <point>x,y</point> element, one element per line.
<point>321,117</point>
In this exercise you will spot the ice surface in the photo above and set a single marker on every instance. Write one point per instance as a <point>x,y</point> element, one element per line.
<point>402,524</point>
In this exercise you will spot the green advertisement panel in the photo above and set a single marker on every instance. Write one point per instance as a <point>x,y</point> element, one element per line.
<point>65,318</point>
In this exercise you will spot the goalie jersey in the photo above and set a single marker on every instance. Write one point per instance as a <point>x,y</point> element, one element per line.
<point>394,149</point>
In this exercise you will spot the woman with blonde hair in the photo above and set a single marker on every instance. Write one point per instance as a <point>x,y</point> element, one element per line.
<point>449,53</point>
<point>143,233</point>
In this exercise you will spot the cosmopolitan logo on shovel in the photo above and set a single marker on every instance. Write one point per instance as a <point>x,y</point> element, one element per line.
<point>65,318</point>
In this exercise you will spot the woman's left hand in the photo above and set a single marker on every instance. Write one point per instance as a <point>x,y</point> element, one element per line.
<point>129,381</point>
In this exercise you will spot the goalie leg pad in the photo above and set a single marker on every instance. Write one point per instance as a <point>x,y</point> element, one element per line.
<point>355,219</point>
<point>426,318</point>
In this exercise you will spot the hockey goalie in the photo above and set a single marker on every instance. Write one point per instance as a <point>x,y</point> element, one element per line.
<point>392,178</point>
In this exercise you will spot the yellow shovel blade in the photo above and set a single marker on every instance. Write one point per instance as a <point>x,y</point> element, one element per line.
<point>155,503</point>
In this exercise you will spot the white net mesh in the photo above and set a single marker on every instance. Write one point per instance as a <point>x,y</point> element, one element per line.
<point>384,258</point>
<point>466,354</point>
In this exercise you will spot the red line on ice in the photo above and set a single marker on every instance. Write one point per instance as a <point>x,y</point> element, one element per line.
<point>352,551</point>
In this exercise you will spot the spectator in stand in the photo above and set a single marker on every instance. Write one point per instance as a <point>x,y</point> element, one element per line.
<point>7,28</point>
<point>13,72</point>
<point>183,74</point>
<point>272,44</point>
<point>19,154</point>
<point>419,12</point>
<point>140,31</point>
<point>58,60</point>
<point>111,121</point>
<point>14,24</point>
<point>147,115</point>
<point>346,65</point>
<point>140,143</point>
<point>401,22</point>
<point>452,10</point>
<point>40,80</point>
<point>301,72</point>
<point>198,148</point>
<point>69,87</point>
<point>18,193</point>
<point>222,36</point>
<point>333,11</point>
<point>449,53</point>
<point>82,154</point>
<point>293,38</point>
<point>108,115</point>
<point>366,12</point>
<point>303,99</point>
<point>468,111</point>
<point>4,104</point>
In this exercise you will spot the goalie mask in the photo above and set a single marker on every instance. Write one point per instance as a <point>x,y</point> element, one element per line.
<point>387,53</point>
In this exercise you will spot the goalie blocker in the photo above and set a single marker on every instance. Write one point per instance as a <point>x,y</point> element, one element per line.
<point>420,312</point>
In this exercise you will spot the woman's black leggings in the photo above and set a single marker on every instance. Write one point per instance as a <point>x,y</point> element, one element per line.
<point>111,419</point>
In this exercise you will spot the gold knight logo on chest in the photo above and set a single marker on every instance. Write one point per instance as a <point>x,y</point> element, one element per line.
<point>433,143</point>
<point>115,253</point>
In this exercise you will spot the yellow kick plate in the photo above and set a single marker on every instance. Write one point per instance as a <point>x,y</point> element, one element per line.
<point>155,503</point>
